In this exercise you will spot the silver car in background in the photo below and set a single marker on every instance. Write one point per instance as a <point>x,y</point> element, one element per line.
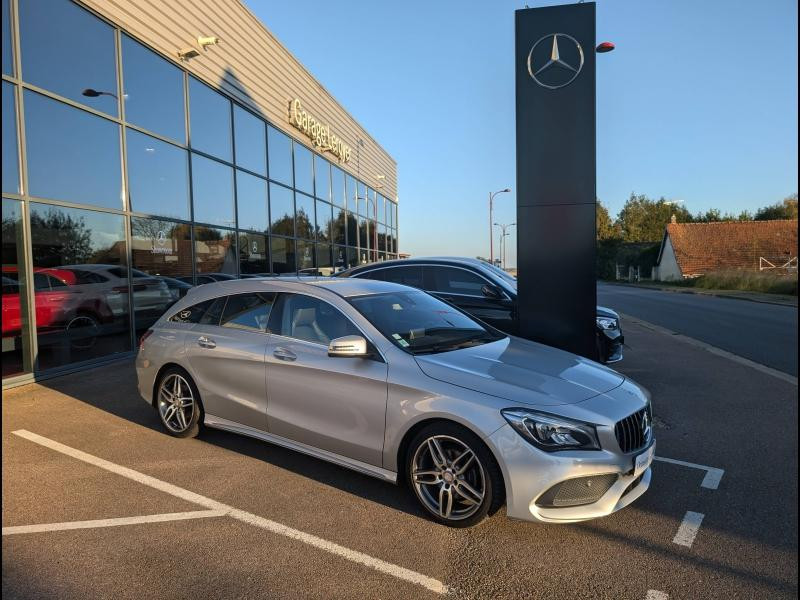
<point>392,382</point>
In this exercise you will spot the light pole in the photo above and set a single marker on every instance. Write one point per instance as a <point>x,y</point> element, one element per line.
<point>491,230</point>
<point>503,242</point>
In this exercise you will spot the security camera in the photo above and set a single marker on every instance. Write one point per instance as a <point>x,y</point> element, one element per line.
<point>204,41</point>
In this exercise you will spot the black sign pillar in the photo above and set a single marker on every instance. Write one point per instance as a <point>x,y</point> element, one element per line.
<point>555,82</point>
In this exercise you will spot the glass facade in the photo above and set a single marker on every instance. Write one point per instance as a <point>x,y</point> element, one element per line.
<point>137,180</point>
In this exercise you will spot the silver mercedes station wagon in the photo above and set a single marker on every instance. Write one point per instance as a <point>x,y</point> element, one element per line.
<point>390,381</point>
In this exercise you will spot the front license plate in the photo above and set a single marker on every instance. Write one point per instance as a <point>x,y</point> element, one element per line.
<point>643,460</point>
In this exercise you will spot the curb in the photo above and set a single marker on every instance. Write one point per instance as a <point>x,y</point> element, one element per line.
<point>700,293</point>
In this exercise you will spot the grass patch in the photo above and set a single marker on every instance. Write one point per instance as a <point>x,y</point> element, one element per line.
<point>748,281</point>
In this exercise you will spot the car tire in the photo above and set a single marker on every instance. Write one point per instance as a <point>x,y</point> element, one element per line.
<point>453,475</point>
<point>178,404</point>
<point>82,331</point>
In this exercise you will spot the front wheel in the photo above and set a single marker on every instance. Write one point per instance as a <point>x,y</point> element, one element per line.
<point>178,403</point>
<point>454,475</point>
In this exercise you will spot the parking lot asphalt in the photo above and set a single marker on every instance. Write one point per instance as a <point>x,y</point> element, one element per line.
<point>294,526</point>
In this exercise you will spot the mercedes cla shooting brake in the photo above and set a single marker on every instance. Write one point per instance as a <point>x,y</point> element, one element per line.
<point>390,381</point>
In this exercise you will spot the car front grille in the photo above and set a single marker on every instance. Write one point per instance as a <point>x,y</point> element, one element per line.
<point>634,431</point>
<point>576,492</point>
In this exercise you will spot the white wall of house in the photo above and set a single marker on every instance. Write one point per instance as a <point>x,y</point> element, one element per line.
<point>667,269</point>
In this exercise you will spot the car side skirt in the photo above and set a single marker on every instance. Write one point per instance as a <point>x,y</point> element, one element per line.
<point>337,459</point>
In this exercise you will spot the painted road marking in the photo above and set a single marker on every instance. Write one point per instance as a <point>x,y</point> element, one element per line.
<point>713,475</point>
<point>656,595</point>
<point>688,529</point>
<point>399,572</point>
<point>162,518</point>
<point>713,349</point>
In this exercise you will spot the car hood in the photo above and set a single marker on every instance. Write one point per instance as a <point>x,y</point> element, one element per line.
<point>522,371</point>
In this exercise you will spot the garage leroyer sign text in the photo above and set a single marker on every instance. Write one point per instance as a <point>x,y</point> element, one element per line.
<point>319,133</point>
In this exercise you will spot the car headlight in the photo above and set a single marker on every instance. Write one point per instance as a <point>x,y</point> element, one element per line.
<point>607,323</point>
<point>551,433</point>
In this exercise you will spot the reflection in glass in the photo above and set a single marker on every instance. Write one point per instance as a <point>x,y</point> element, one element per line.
<point>338,226</point>
<point>361,197</point>
<point>337,187</point>
<point>372,207</point>
<point>382,238</point>
<point>153,93</point>
<point>389,212</point>
<point>212,191</point>
<point>324,219</point>
<point>251,141</point>
<point>352,229</point>
<point>283,257</point>
<point>81,292</point>
<point>215,250</point>
<point>305,216</point>
<point>322,178</point>
<point>15,309</point>
<point>381,209</point>
<point>280,156</point>
<point>303,169</point>
<point>339,258</point>
<point>251,202</point>
<point>210,120</point>
<point>253,254</point>
<point>10,162</point>
<point>324,264</point>
<point>350,194</point>
<point>66,49</point>
<point>281,210</point>
<point>352,256</point>
<point>363,234</point>
<point>161,250</point>
<point>72,154</point>
<point>158,176</point>
<point>305,256</point>
<point>8,54</point>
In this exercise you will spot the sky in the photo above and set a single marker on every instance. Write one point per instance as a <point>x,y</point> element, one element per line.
<point>698,103</point>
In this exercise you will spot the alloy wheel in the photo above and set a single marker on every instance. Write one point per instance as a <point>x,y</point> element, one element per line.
<point>176,403</point>
<point>448,477</point>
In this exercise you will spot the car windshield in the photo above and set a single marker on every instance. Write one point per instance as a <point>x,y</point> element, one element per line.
<point>504,274</point>
<point>420,324</point>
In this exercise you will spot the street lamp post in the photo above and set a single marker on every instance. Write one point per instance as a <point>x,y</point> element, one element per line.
<point>491,230</point>
<point>503,242</point>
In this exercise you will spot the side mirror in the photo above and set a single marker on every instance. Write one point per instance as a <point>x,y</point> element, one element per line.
<point>348,346</point>
<point>491,292</point>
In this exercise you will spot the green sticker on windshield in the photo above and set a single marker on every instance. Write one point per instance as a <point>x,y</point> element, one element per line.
<point>402,342</point>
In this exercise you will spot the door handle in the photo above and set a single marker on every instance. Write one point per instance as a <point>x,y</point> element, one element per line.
<point>205,342</point>
<point>284,354</point>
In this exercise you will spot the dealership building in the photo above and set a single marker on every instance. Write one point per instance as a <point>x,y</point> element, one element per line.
<point>150,146</point>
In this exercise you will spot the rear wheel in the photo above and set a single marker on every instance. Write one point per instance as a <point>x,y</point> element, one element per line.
<point>178,403</point>
<point>454,475</point>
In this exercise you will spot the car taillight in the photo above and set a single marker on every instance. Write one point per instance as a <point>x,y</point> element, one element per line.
<point>145,335</point>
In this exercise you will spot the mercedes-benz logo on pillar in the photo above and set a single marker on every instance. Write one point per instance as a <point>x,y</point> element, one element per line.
<point>555,60</point>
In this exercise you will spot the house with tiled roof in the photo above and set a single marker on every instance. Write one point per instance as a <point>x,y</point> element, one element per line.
<point>693,249</point>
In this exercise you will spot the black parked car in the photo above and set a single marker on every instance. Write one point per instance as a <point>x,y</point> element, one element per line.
<point>483,290</point>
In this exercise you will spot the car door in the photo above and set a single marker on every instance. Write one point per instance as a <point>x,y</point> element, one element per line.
<point>332,403</point>
<point>473,294</point>
<point>226,351</point>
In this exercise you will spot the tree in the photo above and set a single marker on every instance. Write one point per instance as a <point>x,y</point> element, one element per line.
<point>605,228</point>
<point>781,210</point>
<point>59,239</point>
<point>643,219</point>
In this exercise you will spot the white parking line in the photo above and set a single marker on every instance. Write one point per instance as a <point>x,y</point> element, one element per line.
<point>656,595</point>
<point>688,529</point>
<point>162,518</point>
<point>399,572</point>
<point>713,475</point>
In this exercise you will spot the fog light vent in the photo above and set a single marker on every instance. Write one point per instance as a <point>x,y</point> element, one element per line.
<point>575,492</point>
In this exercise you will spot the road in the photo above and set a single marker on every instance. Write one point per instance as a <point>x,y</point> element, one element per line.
<point>764,333</point>
<point>303,528</point>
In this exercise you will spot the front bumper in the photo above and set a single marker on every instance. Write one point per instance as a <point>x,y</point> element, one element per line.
<point>530,472</point>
